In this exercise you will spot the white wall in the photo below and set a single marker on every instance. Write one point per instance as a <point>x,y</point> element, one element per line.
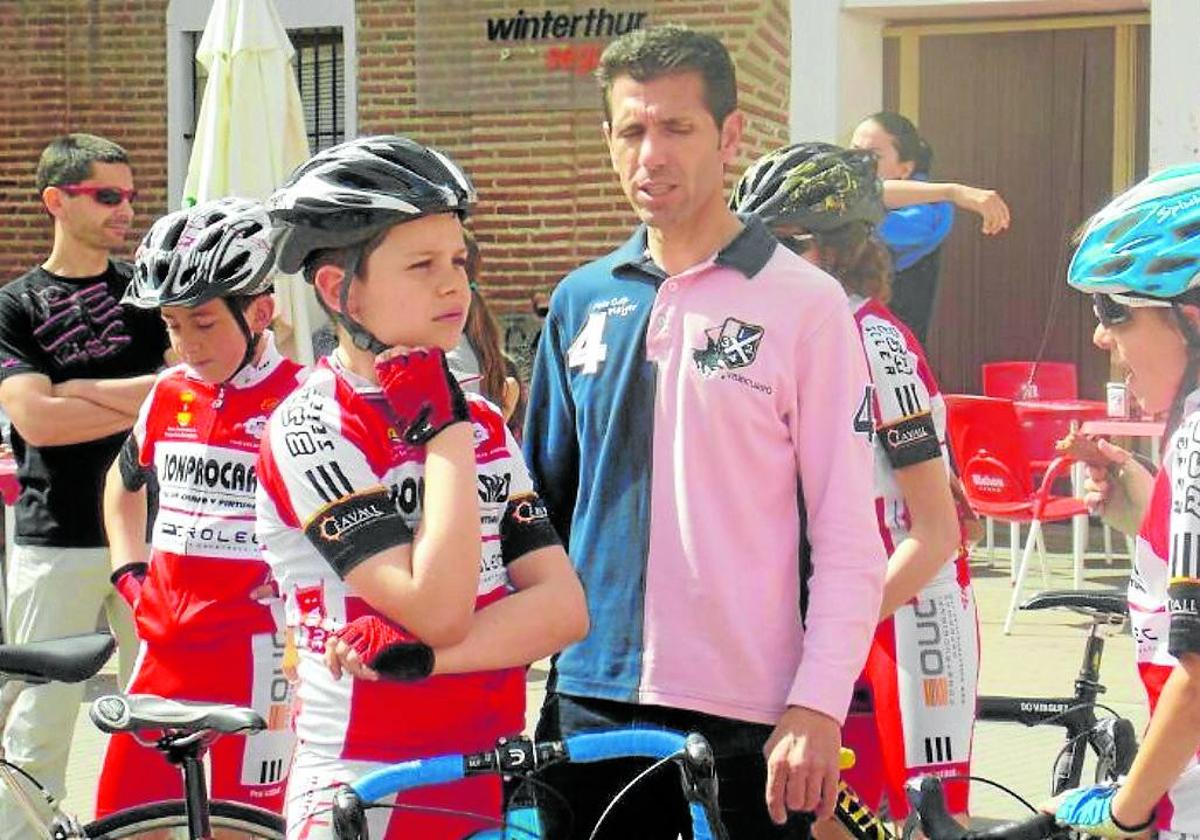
<point>1174,82</point>
<point>837,70</point>
<point>837,61</point>
<point>187,16</point>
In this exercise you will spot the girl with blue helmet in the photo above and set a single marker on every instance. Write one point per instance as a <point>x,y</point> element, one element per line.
<point>1139,258</point>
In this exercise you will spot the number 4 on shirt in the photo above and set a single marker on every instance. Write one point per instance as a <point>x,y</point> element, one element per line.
<point>864,419</point>
<point>588,349</point>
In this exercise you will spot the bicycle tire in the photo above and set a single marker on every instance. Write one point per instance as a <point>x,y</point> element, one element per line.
<point>252,823</point>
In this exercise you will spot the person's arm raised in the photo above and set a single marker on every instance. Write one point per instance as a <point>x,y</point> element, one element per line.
<point>994,214</point>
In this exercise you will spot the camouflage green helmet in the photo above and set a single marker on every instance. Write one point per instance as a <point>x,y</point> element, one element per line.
<point>815,186</point>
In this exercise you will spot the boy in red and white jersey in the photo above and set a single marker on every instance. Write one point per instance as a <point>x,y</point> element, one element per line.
<point>203,598</point>
<point>396,512</point>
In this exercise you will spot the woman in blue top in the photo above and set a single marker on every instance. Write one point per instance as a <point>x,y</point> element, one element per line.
<point>920,213</point>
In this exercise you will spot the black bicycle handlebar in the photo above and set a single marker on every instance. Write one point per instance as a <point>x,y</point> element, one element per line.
<point>927,799</point>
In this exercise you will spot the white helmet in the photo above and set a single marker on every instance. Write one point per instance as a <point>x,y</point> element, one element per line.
<point>218,249</point>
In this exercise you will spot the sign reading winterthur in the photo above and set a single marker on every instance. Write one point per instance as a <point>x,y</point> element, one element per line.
<point>596,23</point>
<point>491,55</point>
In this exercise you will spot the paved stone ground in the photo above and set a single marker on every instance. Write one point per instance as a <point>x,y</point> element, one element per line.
<point>1041,657</point>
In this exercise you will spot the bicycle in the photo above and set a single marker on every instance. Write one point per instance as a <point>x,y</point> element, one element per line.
<point>1111,739</point>
<point>187,730</point>
<point>521,759</point>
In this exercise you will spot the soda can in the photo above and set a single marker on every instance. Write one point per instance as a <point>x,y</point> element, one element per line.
<point>1118,400</point>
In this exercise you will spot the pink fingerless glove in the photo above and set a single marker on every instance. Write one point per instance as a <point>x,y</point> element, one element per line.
<point>423,392</point>
<point>388,648</point>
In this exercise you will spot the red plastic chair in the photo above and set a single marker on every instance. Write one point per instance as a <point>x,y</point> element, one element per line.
<point>1031,380</point>
<point>994,467</point>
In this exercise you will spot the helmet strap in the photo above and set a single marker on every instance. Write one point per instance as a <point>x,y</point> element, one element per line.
<point>239,317</point>
<point>362,337</point>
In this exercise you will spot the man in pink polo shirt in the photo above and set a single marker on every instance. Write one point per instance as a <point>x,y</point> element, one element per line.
<point>699,425</point>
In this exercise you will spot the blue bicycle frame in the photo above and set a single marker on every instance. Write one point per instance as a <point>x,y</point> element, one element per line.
<point>522,757</point>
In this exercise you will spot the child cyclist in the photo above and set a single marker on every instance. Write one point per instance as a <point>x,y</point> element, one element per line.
<point>823,202</point>
<point>393,508</point>
<point>201,596</point>
<point>1139,258</point>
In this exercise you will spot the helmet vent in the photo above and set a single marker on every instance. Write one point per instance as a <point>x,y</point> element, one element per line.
<point>1114,266</point>
<point>211,237</point>
<point>231,268</point>
<point>1167,265</point>
<point>171,237</point>
<point>1121,228</point>
<point>1187,231</point>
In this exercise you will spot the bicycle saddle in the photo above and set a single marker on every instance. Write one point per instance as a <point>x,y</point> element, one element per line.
<point>70,660</point>
<point>132,712</point>
<point>1108,602</point>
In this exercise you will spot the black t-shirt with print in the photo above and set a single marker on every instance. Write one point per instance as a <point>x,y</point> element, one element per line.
<point>71,328</point>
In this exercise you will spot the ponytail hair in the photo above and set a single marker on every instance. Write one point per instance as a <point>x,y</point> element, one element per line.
<point>855,257</point>
<point>481,330</point>
<point>910,145</point>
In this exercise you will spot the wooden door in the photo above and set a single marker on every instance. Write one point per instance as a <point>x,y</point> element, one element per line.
<point>1032,114</point>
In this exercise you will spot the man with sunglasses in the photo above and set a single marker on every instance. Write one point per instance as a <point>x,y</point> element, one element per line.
<point>74,368</point>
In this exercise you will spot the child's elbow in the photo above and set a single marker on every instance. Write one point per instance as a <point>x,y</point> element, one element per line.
<point>575,622</point>
<point>447,630</point>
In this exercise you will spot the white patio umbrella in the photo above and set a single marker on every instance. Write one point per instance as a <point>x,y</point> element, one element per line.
<point>250,133</point>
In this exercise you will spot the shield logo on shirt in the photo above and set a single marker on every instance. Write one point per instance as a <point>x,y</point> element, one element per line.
<point>734,344</point>
<point>738,342</point>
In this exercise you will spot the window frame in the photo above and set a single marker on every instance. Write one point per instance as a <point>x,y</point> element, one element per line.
<point>185,17</point>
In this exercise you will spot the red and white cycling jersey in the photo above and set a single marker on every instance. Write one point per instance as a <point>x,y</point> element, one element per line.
<point>924,662</point>
<point>338,485</point>
<point>202,440</point>
<point>1163,592</point>
<point>909,417</point>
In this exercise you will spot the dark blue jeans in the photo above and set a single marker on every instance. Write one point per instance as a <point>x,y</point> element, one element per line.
<point>655,808</point>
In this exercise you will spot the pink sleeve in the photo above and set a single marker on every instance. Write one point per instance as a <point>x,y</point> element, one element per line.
<point>831,432</point>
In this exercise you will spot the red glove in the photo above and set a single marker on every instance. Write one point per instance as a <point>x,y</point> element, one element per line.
<point>423,392</point>
<point>128,582</point>
<point>388,648</point>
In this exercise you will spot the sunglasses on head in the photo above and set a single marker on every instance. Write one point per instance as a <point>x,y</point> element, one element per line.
<point>108,196</point>
<point>1114,310</point>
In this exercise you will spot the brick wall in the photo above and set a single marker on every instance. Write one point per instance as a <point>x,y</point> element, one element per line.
<point>77,65</point>
<point>549,199</point>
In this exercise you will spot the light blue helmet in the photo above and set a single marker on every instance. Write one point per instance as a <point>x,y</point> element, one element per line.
<point>1146,241</point>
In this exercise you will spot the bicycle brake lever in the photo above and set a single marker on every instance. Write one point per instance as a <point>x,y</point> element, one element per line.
<point>348,816</point>
<point>699,770</point>
<point>698,766</point>
<point>929,802</point>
